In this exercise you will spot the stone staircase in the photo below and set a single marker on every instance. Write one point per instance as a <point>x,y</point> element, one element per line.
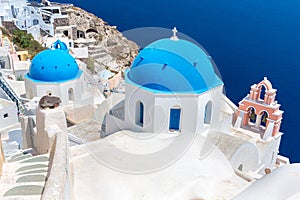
<point>100,56</point>
<point>24,176</point>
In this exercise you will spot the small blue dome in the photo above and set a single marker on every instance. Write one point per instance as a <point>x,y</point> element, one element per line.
<point>173,66</point>
<point>53,65</point>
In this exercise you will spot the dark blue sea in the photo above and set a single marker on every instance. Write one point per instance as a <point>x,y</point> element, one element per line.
<point>248,39</point>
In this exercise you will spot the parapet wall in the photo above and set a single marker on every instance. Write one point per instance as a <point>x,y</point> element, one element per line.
<point>59,184</point>
<point>52,138</point>
<point>115,80</point>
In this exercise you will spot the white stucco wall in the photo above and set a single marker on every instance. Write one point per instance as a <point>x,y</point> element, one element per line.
<point>245,157</point>
<point>132,96</point>
<point>45,119</point>
<point>39,89</point>
<point>8,113</point>
<point>113,125</point>
<point>157,109</point>
<point>188,118</point>
<point>268,152</point>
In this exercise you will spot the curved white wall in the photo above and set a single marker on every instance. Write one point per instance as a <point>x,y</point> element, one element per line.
<point>39,89</point>
<point>282,183</point>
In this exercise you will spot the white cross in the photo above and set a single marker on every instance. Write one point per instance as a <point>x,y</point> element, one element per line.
<point>174,37</point>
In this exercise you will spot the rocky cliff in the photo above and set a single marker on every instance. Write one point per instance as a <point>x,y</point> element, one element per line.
<point>108,48</point>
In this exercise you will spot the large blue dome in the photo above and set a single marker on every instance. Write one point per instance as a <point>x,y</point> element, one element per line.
<point>173,66</point>
<point>53,65</point>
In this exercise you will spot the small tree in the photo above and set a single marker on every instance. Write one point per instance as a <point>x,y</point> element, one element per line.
<point>26,42</point>
<point>22,39</point>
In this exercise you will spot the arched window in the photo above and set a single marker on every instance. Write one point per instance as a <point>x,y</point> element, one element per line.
<point>80,34</point>
<point>139,115</point>
<point>252,115</point>
<point>264,119</point>
<point>262,92</point>
<point>174,124</point>
<point>91,31</point>
<point>71,94</point>
<point>208,113</point>
<point>35,22</point>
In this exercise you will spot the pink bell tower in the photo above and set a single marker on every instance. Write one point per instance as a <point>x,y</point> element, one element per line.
<point>259,112</point>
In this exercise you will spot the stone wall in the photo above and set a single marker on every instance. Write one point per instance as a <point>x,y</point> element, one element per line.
<point>61,22</point>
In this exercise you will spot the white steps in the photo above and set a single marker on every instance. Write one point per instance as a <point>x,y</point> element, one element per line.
<point>24,176</point>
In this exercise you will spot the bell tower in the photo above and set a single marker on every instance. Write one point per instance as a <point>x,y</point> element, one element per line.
<point>259,112</point>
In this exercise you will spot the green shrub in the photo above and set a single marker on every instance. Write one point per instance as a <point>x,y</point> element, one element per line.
<point>26,41</point>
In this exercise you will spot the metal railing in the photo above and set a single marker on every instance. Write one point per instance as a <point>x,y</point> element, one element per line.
<point>11,94</point>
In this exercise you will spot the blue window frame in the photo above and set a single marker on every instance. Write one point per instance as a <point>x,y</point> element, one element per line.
<point>174,119</point>
<point>141,120</point>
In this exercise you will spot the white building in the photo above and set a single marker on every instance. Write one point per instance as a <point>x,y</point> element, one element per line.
<point>10,9</point>
<point>5,59</point>
<point>8,113</point>
<point>55,72</point>
<point>30,17</point>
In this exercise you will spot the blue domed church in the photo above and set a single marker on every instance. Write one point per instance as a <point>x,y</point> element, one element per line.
<point>173,91</point>
<point>55,72</point>
<point>170,87</point>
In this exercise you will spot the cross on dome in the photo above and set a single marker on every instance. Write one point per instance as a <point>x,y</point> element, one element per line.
<point>174,36</point>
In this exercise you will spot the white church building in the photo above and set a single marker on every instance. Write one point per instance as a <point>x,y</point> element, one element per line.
<point>170,87</point>
<point>55,72</point>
